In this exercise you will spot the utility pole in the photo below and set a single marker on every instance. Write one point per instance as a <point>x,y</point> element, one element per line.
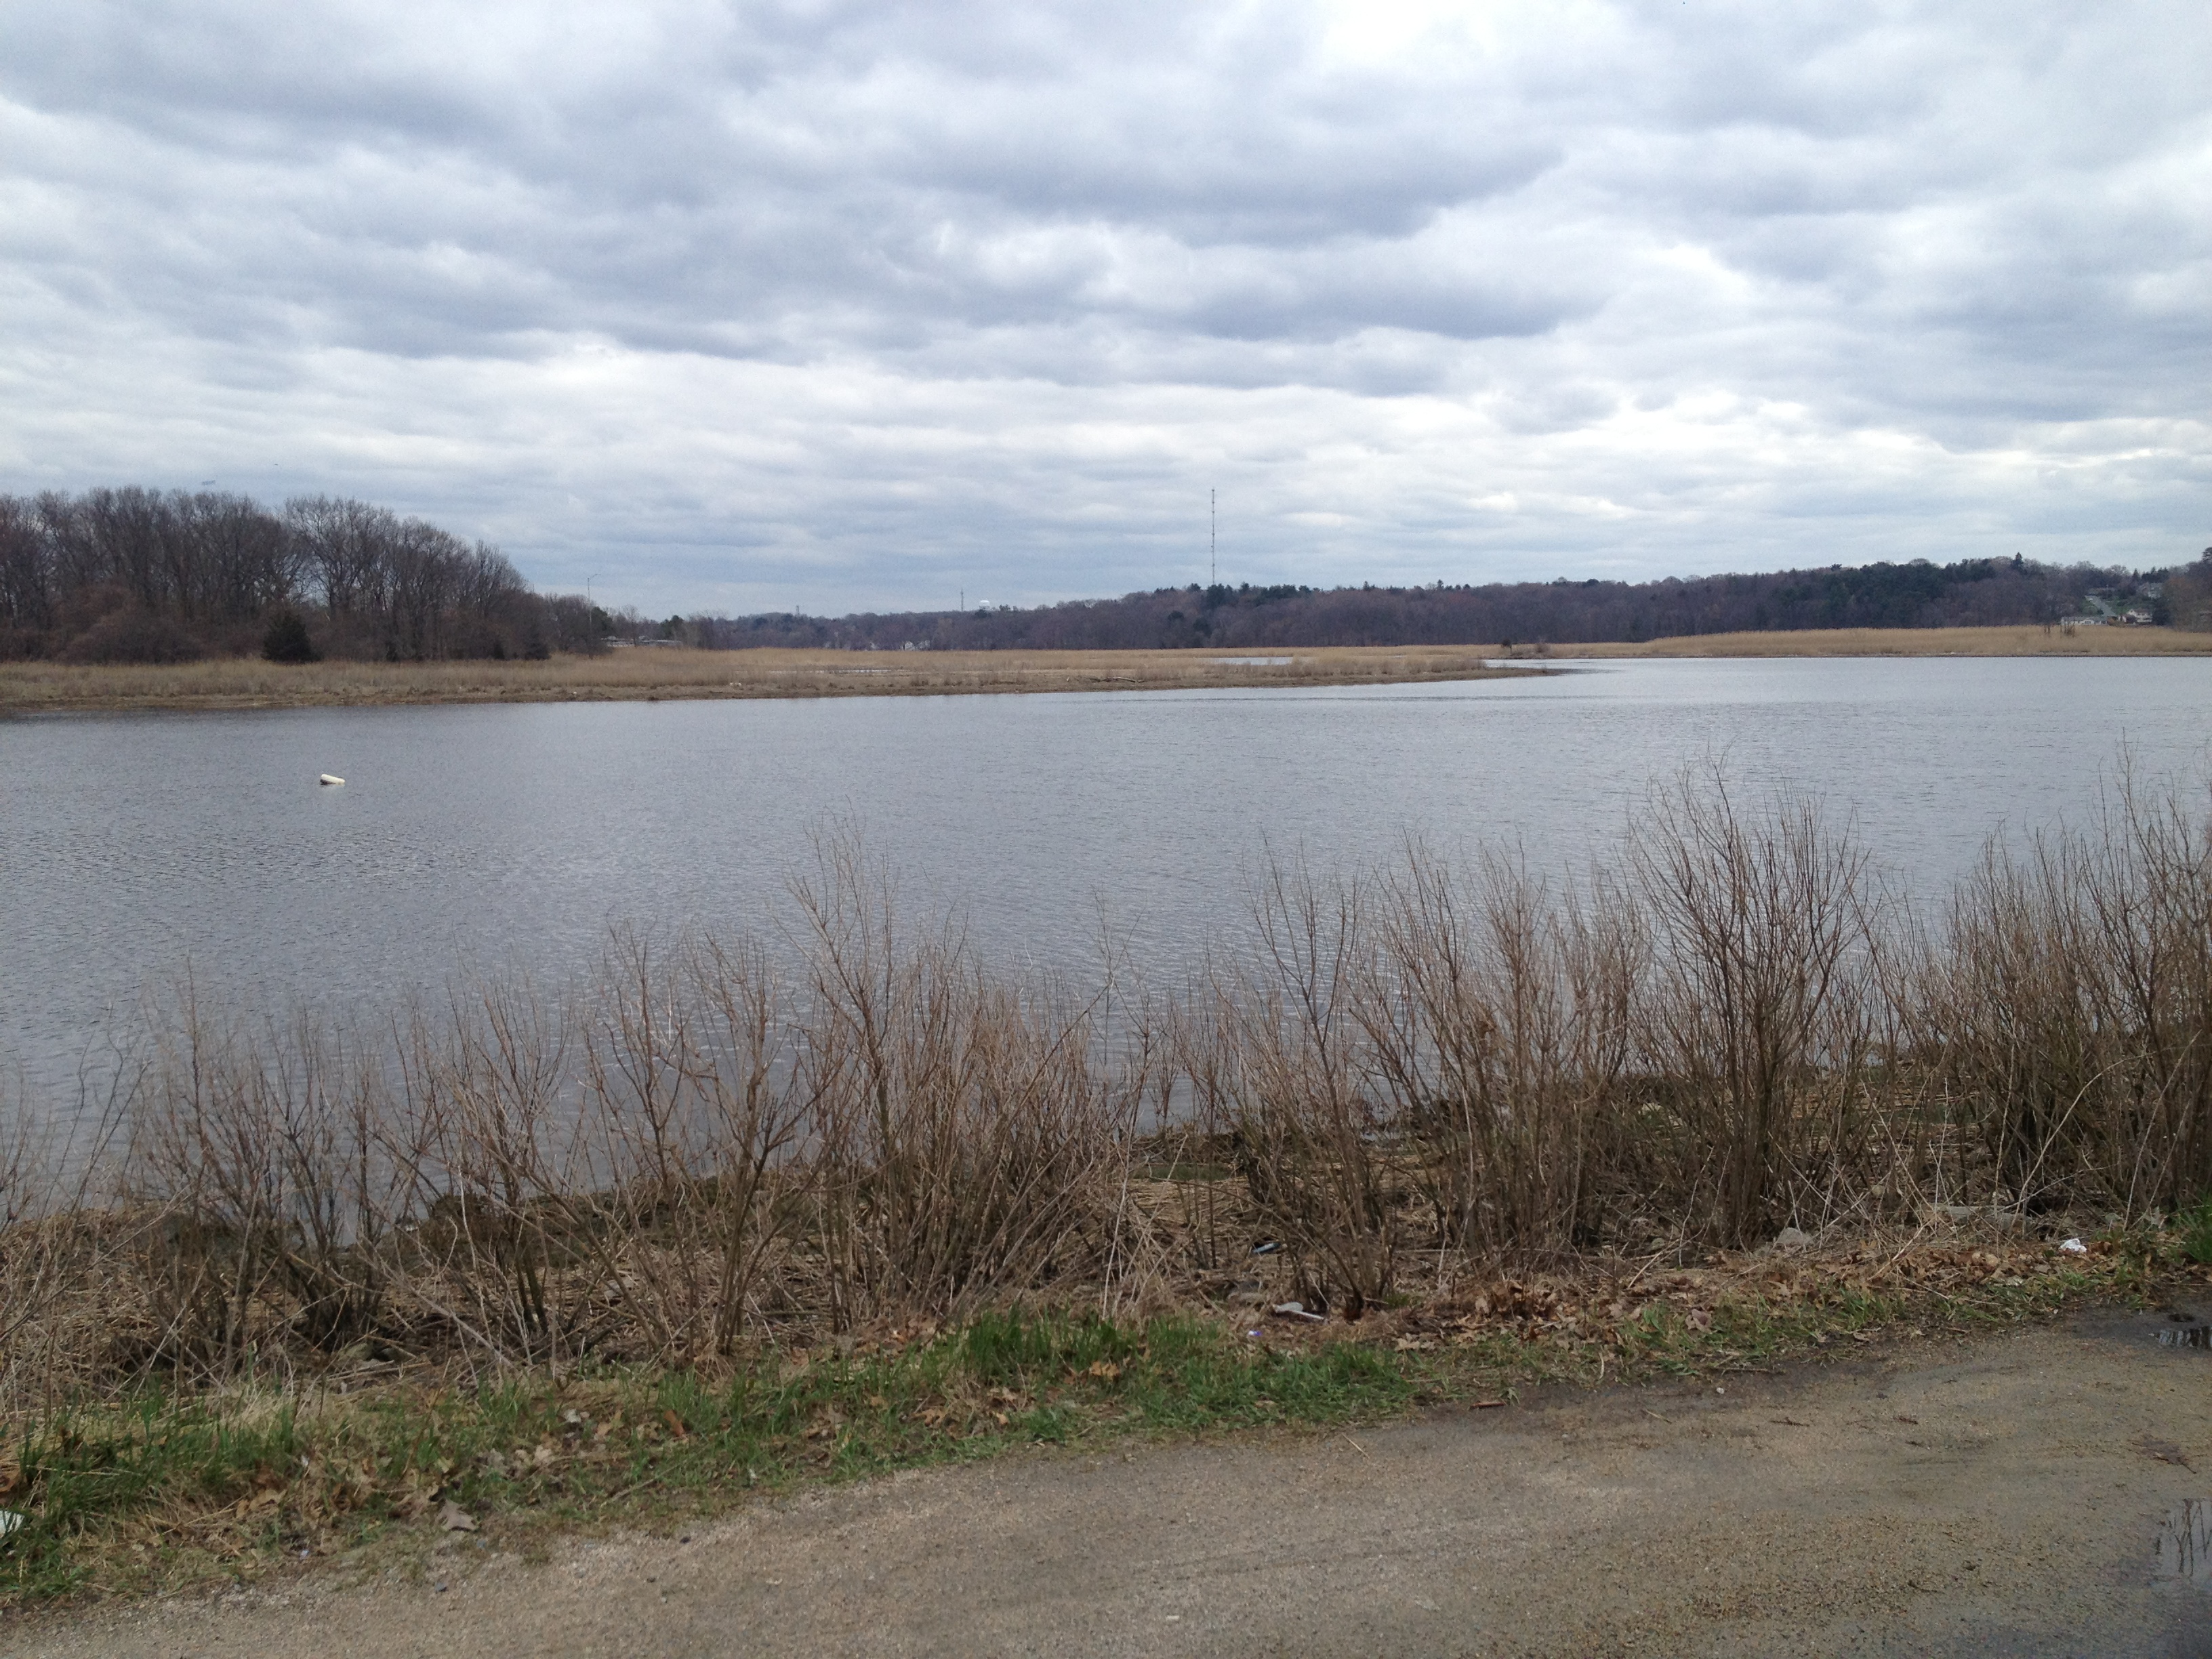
<point>1212,539</point>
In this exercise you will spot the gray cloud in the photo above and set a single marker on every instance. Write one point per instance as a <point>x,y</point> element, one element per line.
<point>844,304</point>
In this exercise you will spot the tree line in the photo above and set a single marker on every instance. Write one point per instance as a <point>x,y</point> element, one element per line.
<point>142,575</point>
<point>1971,592</point>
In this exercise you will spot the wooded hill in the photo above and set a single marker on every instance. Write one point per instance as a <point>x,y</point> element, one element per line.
<point>139,576</point>
<point>1972,592</point>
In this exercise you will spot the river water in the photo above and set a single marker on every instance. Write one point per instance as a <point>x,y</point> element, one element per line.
<point>509,838</point>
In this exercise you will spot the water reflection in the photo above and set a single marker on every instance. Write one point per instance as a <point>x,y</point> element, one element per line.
<point>2184,1544</point>
<point>509,838</point>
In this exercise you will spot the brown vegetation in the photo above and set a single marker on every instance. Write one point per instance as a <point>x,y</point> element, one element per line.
<point>641,674</point>
<point>1479,1071</point>
<point>646,674</point>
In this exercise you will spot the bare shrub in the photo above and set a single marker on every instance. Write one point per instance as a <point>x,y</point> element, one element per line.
<point>1758,1017</point>
<point>1500,1026</point>
<point>2069,1008</point>
<point>58,1239</point>
<point>257,1165</point>
<point>499,1177</point>
<point>972,1140</point>
<point>716,1144</point>
<point>1197,1135</point>
<point>697,1106</point>
<point>1279,1058</point>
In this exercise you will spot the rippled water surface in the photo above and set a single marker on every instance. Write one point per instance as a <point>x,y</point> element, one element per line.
<point>511,836</point>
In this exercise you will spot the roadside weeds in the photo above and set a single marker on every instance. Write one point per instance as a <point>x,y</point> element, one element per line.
<point>252,1481</point>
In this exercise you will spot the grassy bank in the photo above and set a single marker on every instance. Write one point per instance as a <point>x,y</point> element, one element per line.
<point>370,1473</point>
<point>1423,1132</point>
<point>636,675</point>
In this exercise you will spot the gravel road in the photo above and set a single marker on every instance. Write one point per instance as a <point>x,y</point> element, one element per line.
<point>2005,1494</point>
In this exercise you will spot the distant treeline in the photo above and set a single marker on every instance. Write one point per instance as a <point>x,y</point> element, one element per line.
<point>140,575</point>
<point>1974,591</point>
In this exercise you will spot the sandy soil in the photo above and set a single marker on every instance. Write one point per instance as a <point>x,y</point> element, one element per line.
<point>1997,1496</point>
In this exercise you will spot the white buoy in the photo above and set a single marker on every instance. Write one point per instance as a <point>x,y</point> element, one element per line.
<point>327,778</point>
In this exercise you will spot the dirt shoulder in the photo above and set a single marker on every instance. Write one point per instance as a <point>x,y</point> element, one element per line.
<point>1991,1494</point>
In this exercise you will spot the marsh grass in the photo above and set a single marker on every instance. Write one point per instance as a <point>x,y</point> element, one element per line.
<point>649,675</point>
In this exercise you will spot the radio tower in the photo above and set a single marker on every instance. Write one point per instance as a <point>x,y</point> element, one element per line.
<point>1212,539</point>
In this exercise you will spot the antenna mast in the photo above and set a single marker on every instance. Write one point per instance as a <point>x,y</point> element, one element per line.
<point>1212,540</point>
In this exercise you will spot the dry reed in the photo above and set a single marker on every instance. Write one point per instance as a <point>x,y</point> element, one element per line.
<point>723,1143</point>
<point>657,675</point>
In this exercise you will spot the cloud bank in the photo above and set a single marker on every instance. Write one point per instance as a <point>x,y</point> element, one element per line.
<point>834,305</point>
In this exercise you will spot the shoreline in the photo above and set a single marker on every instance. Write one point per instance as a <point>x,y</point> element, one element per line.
<point>652,676</point>
<point>645,676</point>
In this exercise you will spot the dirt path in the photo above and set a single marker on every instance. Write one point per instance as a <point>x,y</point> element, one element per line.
<point>2002,1497</point>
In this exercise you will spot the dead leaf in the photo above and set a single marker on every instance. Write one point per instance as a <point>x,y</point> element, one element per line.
<point>675,1423</point>
<point>1105,1371</point>
<point>454,1518</point>
<point>2166,1451</point>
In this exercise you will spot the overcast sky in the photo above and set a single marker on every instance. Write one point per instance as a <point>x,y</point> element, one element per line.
<point>841,306</point>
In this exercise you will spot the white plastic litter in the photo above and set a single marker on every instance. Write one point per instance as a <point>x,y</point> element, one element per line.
<point>330,778</point>
<point>1296,1310</point>
<point>2075,1247</point>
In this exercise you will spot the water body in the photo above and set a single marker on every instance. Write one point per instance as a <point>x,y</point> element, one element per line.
<point>510,837</point>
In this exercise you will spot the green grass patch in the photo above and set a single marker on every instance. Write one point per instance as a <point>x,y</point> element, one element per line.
<point>161,1490</point>
<point>2194,1228</point>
